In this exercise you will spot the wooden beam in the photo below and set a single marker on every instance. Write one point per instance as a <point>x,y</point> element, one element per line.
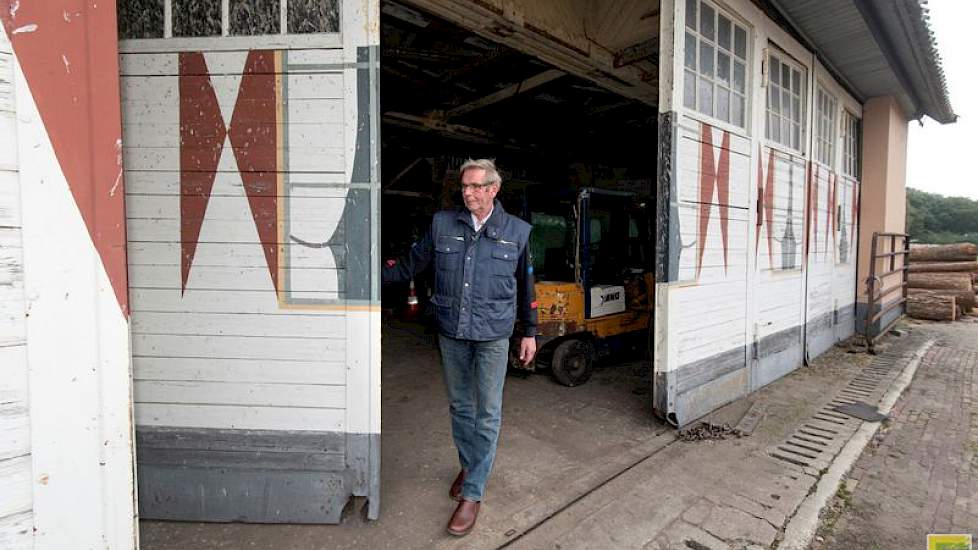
<point>638,52</point>
<point>507,92</point>
<point>403,172</point>
<point>546,41</point>
<point>439,126</point>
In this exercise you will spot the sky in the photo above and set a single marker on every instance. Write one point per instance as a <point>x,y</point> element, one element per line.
<point>941,158</point>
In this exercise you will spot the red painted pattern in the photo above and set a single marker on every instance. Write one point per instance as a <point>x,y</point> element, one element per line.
<point>714,174</point>
<point>68,52</point>
<point>253,133</point>
<point>830,211</point>
<point>769,206</point>
<point>202,135</point>
<point>813,204</point>
<point>254,141</point>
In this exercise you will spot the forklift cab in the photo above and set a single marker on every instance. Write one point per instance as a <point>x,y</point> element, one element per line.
<point>592,259</point>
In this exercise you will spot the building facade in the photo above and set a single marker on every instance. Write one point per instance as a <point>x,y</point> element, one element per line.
<point>190,223</point>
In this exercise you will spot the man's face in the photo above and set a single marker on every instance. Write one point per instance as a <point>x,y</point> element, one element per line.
<point>478,197</point>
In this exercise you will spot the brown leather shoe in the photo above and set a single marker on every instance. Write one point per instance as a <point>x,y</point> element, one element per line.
<point>463,520</point>
<point>456,489</point>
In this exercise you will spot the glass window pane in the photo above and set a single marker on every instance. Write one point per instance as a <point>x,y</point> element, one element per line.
<point>723,104</point>
<point>786,104</point>
<point>786,131</point>
<point>776,128</point>
<point>723,67</point>
<point>691,14</point>
<point>774,70</point>
<point>738,110</point>
<point>309,16</point>
<point>196,17</point>
<point>796,82</point>
<point>739,77</point>
<point>795,109</point>
<point>707,22</point>
<point>704,96</point>
<point>690,51</point>
<point>254,17</point>
<point>740,42</point>
<point>785,76</point>
<point>723,32</point>
<point>796,136</point>
<point>689,90</point>
<point>139,18</point>
<point>706,59</point>
<point>774,100</point>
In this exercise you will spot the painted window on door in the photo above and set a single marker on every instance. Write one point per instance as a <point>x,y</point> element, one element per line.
<point>143,19</point>
<point>715,64</point>
<point>825,123</point>
<point>785,101</point>
<point>851,138</point>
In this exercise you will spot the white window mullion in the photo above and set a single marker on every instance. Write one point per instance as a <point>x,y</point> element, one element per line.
<point>283,16</point>
<point>225,17</point>
<point>167,18</point>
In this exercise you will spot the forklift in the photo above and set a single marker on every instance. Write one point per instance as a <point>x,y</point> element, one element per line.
<point>592,260</point>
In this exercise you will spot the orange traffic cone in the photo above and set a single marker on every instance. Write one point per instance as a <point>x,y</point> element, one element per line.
<point>413,310</point>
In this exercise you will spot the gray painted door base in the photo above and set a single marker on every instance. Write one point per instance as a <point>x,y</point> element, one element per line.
<point>254,476</point>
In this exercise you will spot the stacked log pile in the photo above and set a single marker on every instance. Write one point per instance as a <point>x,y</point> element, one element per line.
<point>942,281</point>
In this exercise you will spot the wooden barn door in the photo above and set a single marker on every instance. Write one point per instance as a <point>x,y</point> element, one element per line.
<point>250,147</point>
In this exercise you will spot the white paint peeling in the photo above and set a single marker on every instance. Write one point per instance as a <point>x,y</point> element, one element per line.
<point>115,186</point>
<point>64,59</point>
<point>13,8</point>
<point>26,28</point>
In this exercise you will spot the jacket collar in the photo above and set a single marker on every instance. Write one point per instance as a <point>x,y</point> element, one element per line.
<point>492,225</point>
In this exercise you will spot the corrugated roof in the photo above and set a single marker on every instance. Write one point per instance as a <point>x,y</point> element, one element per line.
<point>875,49</point>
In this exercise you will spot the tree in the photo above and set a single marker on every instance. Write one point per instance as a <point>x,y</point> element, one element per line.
<point>933,218</point>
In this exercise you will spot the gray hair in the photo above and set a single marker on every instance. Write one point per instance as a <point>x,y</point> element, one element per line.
<point>492,174</point>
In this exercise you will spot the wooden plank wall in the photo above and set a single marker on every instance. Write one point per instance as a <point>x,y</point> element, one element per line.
<point>833,233</point>
<point>16,503</point>
<point>778,286</point>
<point>761,257</point>
<point>708,307</point>
<point>228,351</point>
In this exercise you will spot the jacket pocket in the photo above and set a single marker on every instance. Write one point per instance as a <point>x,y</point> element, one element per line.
<point>504,256</point>
<point>447,252</point>
<point>502,283</point>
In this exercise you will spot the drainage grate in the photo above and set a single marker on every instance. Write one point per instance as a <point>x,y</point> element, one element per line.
<point>816,442</point>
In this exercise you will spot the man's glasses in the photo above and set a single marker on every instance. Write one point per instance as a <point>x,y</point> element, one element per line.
<point>474,186</point>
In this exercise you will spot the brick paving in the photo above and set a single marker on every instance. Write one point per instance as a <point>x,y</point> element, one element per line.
<point>920,473</point>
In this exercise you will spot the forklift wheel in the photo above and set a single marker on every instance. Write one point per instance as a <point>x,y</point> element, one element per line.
<point>572,362</point>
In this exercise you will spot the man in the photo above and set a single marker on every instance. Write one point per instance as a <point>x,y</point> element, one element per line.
<point>482,273</point>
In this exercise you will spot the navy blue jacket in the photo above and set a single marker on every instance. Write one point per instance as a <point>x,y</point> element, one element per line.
<point>480,278</point>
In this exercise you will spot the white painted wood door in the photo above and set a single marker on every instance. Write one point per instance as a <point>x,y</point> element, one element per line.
<point>251,146</point>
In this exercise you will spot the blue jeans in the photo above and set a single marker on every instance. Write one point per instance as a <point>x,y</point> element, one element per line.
<point>474,376</point>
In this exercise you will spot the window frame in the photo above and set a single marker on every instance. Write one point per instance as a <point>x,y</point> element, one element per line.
<point>826,123</point>
<point>719,85</point>
<point>227,40</point>
<point>785,60</point>
<point>852,133</point>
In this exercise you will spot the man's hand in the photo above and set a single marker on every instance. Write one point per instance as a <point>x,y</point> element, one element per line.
<point>528,349</point>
